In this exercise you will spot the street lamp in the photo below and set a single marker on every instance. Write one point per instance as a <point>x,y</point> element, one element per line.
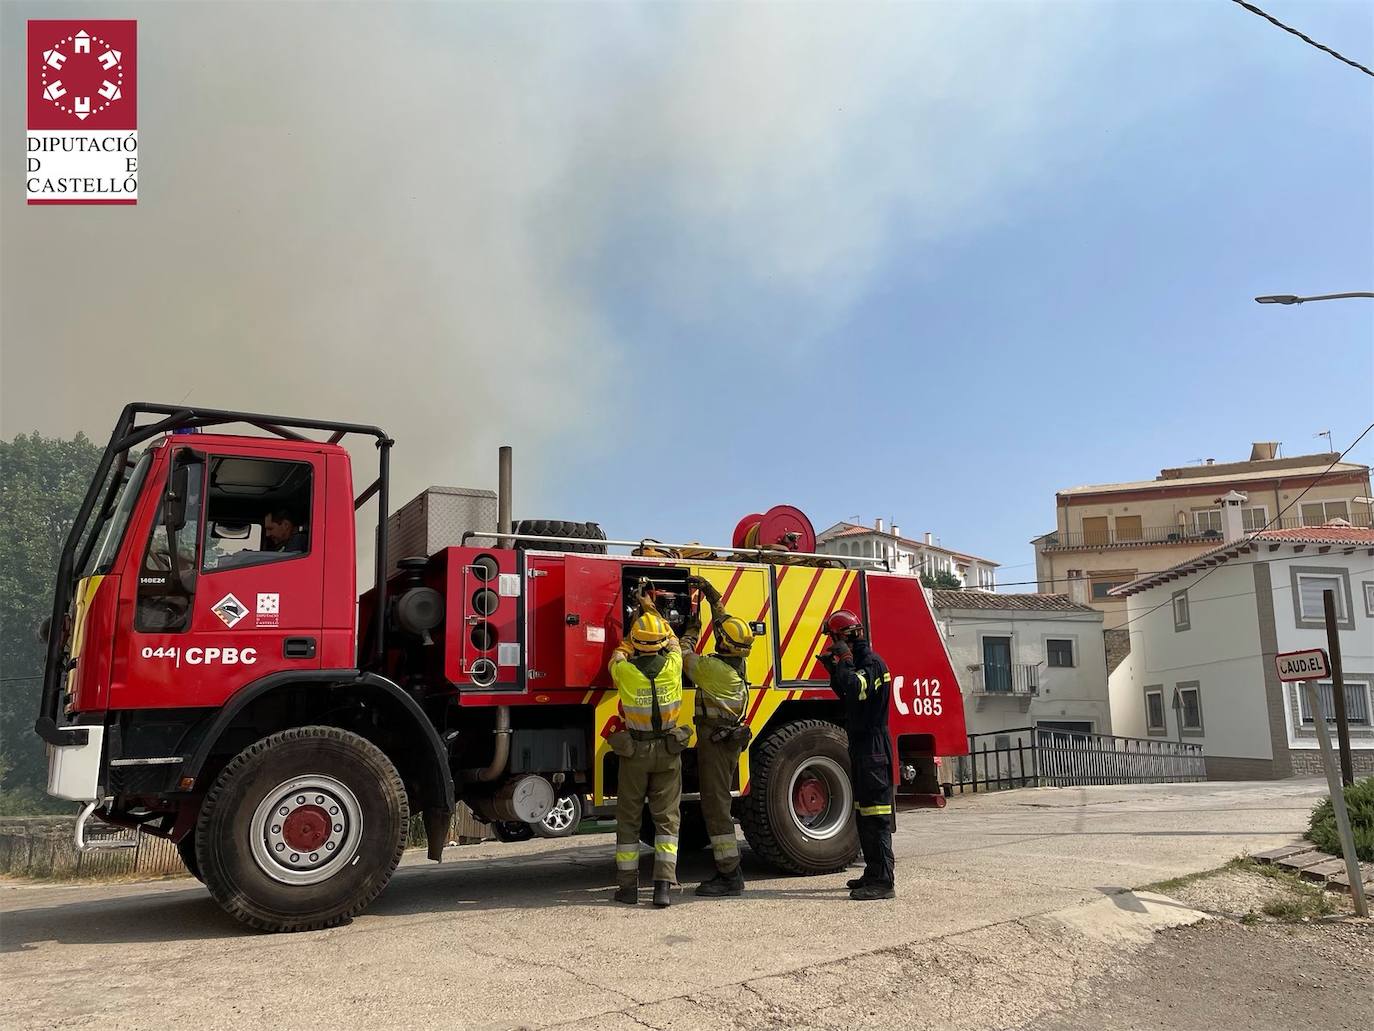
<point>1294,299</point>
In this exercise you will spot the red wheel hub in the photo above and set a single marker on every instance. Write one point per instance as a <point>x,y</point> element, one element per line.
<point>810,797</point>
<point>306,828</point>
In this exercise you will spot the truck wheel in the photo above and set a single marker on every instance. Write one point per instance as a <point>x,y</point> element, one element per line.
<point>799,813</point>
<point>186,848</point>
<point>511,830</point>
<point>590,532</point>
<point>302,829</point>
<point>561,821</point>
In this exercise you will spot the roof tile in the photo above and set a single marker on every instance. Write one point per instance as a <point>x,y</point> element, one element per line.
<point>971,599</point>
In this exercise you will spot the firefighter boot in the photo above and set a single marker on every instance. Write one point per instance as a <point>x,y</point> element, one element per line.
<point>723,884</point>
<point>857,882</point>
<point>628,895</point>
<point>661,899</point>
<point>871,891</point>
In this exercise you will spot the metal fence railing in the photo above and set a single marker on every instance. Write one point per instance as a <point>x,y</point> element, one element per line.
<point>1017,678</point>
<point>1043,757</point>
<point>1114,536</point>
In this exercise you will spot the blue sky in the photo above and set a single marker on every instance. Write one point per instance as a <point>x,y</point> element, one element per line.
<point>925,261</point>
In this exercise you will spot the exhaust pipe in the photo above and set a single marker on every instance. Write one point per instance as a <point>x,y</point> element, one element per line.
<point>502,755</point>
<point>503,486</point>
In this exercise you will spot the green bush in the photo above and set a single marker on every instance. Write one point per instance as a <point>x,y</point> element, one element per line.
<point>1359,802</point>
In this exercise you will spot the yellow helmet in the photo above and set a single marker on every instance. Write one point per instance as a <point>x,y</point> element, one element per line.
<point>734,636</point>
<point>649,633</point>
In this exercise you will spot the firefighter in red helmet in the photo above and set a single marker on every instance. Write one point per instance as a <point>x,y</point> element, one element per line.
<point>860,679</point>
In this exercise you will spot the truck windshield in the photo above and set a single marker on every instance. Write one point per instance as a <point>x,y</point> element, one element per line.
<point>113,532</point>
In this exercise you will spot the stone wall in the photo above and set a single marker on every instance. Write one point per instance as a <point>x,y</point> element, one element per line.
<point>1307,762</point>
<point>1118,645</point>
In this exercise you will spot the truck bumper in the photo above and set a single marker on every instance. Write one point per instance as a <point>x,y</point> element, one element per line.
<point>74,770</point>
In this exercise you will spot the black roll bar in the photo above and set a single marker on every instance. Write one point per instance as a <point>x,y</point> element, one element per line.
<point>128,434</point>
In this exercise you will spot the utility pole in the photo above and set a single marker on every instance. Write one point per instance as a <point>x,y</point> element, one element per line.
<point>1353,870</point>
<point>1333,645</point>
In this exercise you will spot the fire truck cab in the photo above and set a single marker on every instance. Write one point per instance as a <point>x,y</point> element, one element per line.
<point>214,677</point>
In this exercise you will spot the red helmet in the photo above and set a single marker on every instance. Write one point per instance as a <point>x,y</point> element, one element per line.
<point>842,621</point>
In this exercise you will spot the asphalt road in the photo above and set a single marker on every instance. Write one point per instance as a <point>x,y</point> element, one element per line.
<point>1012,889</point>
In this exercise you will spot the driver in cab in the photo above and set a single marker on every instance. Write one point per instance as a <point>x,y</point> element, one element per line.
<point>280,532</point>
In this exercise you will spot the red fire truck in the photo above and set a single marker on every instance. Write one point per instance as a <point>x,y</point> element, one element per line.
<point>214,677</point>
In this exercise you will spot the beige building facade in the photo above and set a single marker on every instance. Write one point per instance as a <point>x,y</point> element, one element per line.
<point>906,555</point>
<point>1107,535</point>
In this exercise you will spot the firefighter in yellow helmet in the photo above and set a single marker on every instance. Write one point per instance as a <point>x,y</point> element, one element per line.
<point>647,671</point>
<point>722,701</point>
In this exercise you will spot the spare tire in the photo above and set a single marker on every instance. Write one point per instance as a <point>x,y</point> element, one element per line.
<point>589,532</point>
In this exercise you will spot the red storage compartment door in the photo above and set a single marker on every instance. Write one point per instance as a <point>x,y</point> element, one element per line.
<point>592,619</point>
<point>925,691</point>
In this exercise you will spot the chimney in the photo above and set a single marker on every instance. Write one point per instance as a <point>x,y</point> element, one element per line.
<point>1264,450</point>
<point>878,525</point>
<point>930,537</point>
<point>1211,461</point>
<point>1078,587</point>
<point>1232,525</point>
<point>896,530</point>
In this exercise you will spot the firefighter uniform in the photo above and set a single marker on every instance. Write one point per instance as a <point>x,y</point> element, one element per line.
<point>650,751</point>
<point>862,682</point>
<point>722,699</point>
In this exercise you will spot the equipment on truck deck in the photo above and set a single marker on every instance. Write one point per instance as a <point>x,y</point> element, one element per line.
<point>240,697</point>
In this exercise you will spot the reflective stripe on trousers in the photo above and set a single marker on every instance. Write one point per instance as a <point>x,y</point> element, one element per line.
<point>724,846</point>
<point>665,848</point>
<point>627,854</point>
<point>873,810</point>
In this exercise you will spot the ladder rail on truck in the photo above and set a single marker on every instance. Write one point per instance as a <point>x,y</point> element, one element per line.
<point>282,730</point>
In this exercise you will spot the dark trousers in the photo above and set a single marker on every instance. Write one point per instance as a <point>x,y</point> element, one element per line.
<point>870,760</point>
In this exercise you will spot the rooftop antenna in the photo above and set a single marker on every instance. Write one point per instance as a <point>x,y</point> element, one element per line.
<point>1327,434</point>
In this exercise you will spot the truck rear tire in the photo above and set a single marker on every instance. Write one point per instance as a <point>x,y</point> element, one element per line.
<point>302,829</point>
<point>799,813</point>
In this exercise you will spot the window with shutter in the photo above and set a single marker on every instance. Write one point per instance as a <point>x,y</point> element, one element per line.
<point>1310,591</point>
<point>1356,702</point>
<point>1095,530</point>
<point>1154,710</point>
<point>1128,528</point>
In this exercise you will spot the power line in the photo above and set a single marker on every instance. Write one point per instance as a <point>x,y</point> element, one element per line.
<point>1305,38</point>
<point>1016,615</point>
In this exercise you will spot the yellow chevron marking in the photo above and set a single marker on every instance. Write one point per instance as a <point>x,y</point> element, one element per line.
<point>85,594</point>
<point>830,586</point>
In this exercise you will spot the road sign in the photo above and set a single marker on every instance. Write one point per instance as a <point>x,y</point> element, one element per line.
<point>1309,664</point>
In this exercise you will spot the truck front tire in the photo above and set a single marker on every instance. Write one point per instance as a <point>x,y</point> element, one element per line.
<point>302,829</point>
<point>186,848</point>
<point>798,815</point>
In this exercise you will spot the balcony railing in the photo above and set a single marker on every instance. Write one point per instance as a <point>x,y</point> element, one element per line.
<point>1111,537</point>
<point>1017,680</point>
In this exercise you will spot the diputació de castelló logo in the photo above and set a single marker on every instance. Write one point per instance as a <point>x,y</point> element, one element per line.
<point>82,112</point>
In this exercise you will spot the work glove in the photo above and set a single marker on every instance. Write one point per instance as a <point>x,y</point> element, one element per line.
<point>644,596</point>
<point>835,653</point>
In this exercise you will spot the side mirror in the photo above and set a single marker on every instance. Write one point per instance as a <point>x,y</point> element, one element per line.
<point>174,504</point>
<point>231,531</point>
<point>178,492</point>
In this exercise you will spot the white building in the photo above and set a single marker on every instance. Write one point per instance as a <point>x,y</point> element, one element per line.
<point>1203,638</point>
<point>905,555</point>
<point>1026,660</point>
